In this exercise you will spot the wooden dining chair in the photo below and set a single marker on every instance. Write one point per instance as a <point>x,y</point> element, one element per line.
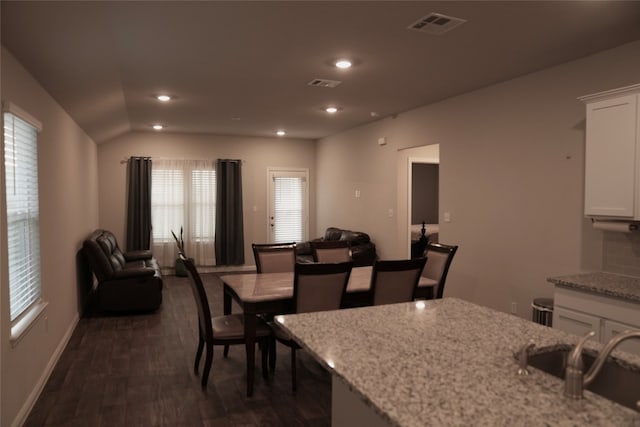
<point>434,275</point>
<point>316,287</point>
<point>395,281</point>
<point>331,251</point>
<point>219,330</point>
<point>274,257</point>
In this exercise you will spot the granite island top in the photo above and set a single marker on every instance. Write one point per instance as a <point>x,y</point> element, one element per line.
<point>608,284</point>
<point>448,362</point>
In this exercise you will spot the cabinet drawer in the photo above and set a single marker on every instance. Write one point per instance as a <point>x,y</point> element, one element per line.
<point>598,305</point>
<point>575,322</point>
<point>611,329</point>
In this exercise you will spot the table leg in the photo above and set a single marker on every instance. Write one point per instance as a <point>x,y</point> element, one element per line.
<point>250,323</point>
<point>226,302</point>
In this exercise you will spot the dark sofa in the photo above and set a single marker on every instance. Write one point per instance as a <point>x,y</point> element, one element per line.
<point>127,281</point>
<point>363,250</point>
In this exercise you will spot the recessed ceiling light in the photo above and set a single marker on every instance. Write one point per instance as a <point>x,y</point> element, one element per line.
<point>343,64</point>
<point>331,110</point>
<point>281,133</point>
<point>157,126</point>
<point>163,98</point>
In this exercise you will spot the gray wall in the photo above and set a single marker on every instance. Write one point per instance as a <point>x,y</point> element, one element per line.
<point>257,154</point>
<point>511,177</point>
<point>424,193</point>
<point>68,190</point>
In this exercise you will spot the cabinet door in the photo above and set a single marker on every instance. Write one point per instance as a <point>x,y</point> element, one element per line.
<point>610,157</point>
<point>575,322</point>
<point>611,329</point>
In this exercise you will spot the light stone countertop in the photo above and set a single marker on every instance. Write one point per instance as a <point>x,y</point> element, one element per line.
<point>449,363</point>
<point>608,284</point>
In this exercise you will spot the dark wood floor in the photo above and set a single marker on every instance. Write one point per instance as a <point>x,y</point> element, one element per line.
<point>137,371</point>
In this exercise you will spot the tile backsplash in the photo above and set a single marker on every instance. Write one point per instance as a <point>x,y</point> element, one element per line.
<point>622,253</point>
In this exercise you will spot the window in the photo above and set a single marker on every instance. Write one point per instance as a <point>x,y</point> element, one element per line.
<point>203,206</point>
<point>167,202</point>
<point>23,224</point>
<point>288,217</point>
<point>183,194</point>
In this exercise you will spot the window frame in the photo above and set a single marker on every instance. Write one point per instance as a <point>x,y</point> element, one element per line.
<point>23,321</point>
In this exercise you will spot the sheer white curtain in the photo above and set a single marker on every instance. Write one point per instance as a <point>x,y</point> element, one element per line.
<point>183,194</point>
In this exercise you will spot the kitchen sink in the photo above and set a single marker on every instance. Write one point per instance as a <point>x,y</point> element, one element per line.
<point>617,380</point>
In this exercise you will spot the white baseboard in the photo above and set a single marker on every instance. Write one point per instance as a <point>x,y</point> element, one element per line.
<point>214,269</point>
<point>21,418</point>
<point>227,268</point>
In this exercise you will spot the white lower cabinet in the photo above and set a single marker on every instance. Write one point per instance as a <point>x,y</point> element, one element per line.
<point>579,312</point>
<point>611,329</point>
<point>575,322</point>
<point>348,408</point>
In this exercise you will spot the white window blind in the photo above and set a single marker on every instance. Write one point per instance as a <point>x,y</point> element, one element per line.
<point>289,207</point>
<point>203,204</point>
<point>183,194</point>
<point>23,225</point>
<point>167,202</point>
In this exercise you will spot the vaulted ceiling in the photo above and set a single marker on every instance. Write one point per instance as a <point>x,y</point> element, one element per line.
<point>243,68</point>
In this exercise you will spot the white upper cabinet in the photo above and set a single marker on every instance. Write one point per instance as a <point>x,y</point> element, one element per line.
<point>612,155</point>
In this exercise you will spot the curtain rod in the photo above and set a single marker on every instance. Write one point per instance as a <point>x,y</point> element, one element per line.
<point>123,161</point>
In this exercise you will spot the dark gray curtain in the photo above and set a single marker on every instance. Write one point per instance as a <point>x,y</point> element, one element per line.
<point>139,203</point>
<point>229,226</point>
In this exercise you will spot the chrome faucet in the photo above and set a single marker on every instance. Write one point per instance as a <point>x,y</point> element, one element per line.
<point>523,358</point>
<point>575,381</point>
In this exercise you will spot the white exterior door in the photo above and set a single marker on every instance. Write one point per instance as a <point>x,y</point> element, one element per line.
<point>288,213</point>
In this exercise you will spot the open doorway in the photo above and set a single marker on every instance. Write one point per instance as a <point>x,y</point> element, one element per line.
<point>423,195</point>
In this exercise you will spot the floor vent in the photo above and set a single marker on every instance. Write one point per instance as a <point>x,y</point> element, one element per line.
<point>324,83</point>
<point>436,23</point>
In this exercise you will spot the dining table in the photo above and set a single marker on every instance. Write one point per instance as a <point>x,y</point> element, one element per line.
<point>260,293</point>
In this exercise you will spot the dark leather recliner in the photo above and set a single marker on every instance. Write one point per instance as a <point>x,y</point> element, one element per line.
<point>127,282</point>
<point>363,250</point>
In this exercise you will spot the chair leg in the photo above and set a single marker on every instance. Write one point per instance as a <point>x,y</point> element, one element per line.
<point>207,364</point>
<point>265,350</point>
<point>225,353</point>
<point>198,354</point>
<point>272,354</point>
<point>293,369</point>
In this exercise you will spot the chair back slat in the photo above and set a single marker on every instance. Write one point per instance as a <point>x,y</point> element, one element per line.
<point>331,251</point>
<point>440,257</point>
<point>434,269</point>
<point>274,258</point>
<point>320,287</point>
<point>395,281</point>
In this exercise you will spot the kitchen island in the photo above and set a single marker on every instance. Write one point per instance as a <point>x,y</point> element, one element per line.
<point>443,362</point>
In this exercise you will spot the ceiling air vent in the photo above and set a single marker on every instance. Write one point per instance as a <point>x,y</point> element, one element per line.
<point>324,83</point>
<point>436,23</point>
